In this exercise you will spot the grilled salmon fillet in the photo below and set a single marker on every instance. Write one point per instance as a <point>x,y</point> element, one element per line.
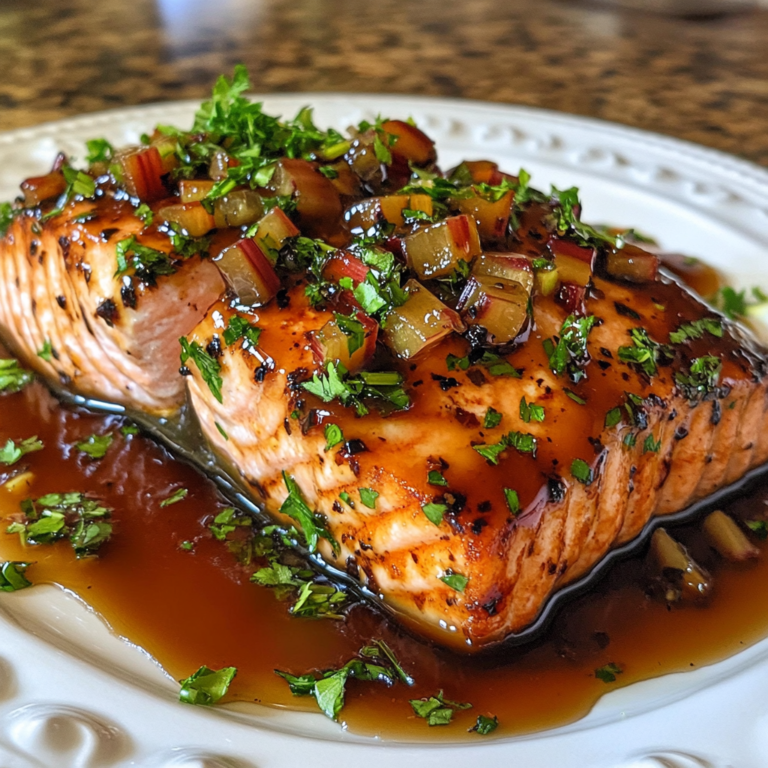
<point>463,397</point>
<point>66,313</point>
<point>666,449</point>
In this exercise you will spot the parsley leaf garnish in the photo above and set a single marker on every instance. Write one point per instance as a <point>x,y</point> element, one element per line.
<point>436,710</point>
<point>374,663</point>
<point>456,581</point>
<point>11,452</point>
<point>645,353</point>
<point>13,378</point>
<point>735,304</point>
<point>206,686</point>
<point>297,508</point>
<point>46,353</point>
<point>208,366</point>
<point>485,725</point>
<point>530,411</point>
<point>570,354</point>
<point>434,512</point>
<point>492,418</point>
<point>702,376</point>
<point>520,441</point>
<point>513,501</point>
<point>696,329</point>
<point>333,436</point>
<point>12,577</point>
<point>64,515</point>
<point>582,471</point>
<point>608,672</point>
<point>368,497</point>
<point>147,263</point>
<point>175,497</point>
<point>436,478</point>
<point>240,328</point>
<point>95,446</point>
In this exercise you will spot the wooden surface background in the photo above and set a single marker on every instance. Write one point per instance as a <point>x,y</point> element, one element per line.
<point>705,80</point>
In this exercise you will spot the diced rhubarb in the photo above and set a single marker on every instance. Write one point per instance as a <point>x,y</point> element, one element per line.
<point>347,184</point>
<point>575,264</point>
<point>343,264</point>
<point>248,272</point>
<point>194,190</point>
<point>511,266</point>
<point>142,172</point>
<point>40,188</point>
<point>547,281</point>
<point>492,217</point>
<point>410,143</point>
<point>498,305</point>
<point>436,250</point>
<point>419,323</point>
<point>331,344</point>
<point>632,264</point>
<point>220,164</point>
<point>363,161</point>
<point>483,171</point>
<point>374,211</point>
<point>273,230</point>
<point>571,296</point>
<point>166,146</point>
<point>238,208</point>
<point>421,203</point>
<point>192,217</point>
<point>318,204</point>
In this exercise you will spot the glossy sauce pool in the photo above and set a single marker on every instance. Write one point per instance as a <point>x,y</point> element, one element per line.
<point>192,608</point>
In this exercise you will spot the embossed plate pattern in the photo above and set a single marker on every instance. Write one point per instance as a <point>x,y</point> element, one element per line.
<point>74,696</point>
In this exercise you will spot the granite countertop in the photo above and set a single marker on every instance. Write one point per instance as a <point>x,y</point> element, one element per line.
<point>705,80</point>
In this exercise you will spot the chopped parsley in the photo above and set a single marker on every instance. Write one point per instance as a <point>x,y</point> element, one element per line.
<point>145,262</point>
<point>608,673</point>
<point>208,366</point>
<point>520,441</point>
<point>353,329</point>
<point>492,418</point>
<point>456,581</point>
<point>227,521</point>
<point>576,399</point>
<point>645,353</point>
<point>13,378</point>
<point>206,686</point>
<point>702,377</point>
<point>437,710</point>
<point>297,509</point>
<point>333,436</point>
<point>240,328</point>
<point>513,501</point>
<point>493,363</point>
<point>735,304</point>
<point>582,471</point>
<point>175,497</point>
<point>630,439</point>
<point>759,528</point>
<point>436,478</point>
<point>613,417</point>
<point>129,429</point>
<point>95,446</point>
<point>351,391</point>
<point>46,353</point>
<point>56,516</point>
<point>368,497</point>
<point>434,512</point>
<point>696,329</point>
<point>99,151</point>
<point>373,663</point>
<point>12,577</point>
<point>11,452</point>
<point>650,445</point>
<point>144,212</point>
<point>485,725</point>
<point>221,430</point>
<point>530,411</point>
<point>569,353</point>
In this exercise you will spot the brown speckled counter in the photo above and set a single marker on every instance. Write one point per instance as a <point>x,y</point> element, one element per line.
<point>705,80</point>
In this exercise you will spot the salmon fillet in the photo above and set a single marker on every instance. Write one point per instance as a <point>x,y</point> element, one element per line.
<point>674,449</point>
<point>550,392</point>
<point>115,339</point>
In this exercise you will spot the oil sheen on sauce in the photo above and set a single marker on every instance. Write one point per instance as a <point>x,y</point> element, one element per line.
<point>189,608</point>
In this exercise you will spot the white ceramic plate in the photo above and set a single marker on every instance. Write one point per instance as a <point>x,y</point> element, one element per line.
<point>74,696</point>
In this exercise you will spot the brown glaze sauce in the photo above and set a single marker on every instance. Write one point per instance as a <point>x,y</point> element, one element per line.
<point>192,608</point>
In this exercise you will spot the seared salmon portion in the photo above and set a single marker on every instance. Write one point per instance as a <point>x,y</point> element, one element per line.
<point>456,391</point>
<point>456,553</point>
<point>115,338</point>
